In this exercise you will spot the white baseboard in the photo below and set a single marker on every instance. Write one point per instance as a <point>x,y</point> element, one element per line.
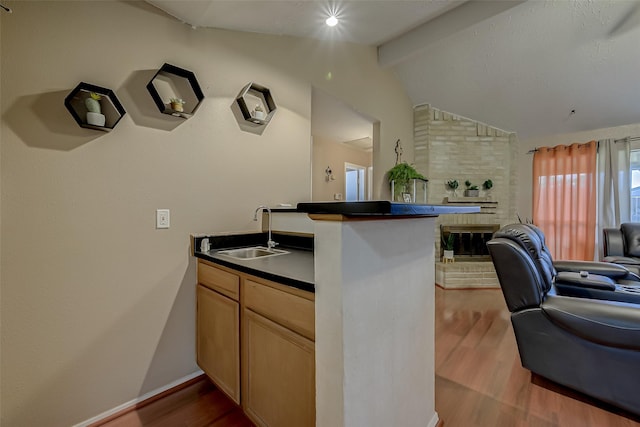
<point>434,421</point>
<point>137,400</point>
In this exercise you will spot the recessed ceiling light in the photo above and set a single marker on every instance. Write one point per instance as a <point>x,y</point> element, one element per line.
<point>332,21</point>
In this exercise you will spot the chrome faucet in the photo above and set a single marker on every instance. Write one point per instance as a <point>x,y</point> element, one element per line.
<point>270,243</point>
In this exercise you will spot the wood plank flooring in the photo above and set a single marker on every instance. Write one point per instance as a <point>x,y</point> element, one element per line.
<point>479,380</point>
<point>197,405</point>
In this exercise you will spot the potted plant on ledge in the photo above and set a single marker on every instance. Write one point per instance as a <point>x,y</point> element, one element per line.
<point>452,184</point>
<point>399,177</point>
<point>472,189</point>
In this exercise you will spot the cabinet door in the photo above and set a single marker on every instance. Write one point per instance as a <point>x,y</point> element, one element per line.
<point>218,340</point>
<point>278,374</point>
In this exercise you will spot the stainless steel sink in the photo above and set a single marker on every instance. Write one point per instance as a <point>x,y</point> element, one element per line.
<point>252,253</point>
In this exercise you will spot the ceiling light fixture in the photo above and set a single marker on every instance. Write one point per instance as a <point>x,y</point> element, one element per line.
<point>332,21</point>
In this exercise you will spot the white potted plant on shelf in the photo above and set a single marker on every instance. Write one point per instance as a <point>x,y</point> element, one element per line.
<point>258,113</point>
<point>94,111</point>
<point>472,189</point>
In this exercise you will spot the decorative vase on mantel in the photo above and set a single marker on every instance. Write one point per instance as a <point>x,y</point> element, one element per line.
<point>472,189</point>
<point>94,111</point>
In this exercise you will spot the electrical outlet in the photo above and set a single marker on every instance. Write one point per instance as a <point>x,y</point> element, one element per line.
<point>337,196</point>
<point>162,218</point>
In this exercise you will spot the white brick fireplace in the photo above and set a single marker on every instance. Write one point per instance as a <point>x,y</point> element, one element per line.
<point>450,147</point>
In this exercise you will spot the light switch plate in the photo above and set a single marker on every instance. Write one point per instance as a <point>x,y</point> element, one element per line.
<point>162,218</point>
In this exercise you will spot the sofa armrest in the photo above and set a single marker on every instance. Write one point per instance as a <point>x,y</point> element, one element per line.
<point>609,323</point>
<point>613,242</point>
<point>614,271</point>
<point>585,280</point>
<point>624,260</point>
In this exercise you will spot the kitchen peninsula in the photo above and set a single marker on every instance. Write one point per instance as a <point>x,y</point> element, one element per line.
<point>374,312</point>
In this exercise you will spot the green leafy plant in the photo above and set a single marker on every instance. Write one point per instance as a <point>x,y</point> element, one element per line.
<point>447,243</point>
<point>470,186</point>
<point>453,184</point>
<point>176,101</point>
<point>401,174</point>
<point>487,185</point>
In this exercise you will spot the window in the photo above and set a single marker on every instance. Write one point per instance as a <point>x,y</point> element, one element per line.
<point>635,185</point>
<point>564,205</point>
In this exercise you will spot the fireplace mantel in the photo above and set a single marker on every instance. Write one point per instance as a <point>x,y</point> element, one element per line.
<point>470,200</point>
<point>487,205</point>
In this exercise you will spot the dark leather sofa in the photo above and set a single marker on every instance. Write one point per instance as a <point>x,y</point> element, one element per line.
<point>622,245</point>
<point>564,331</point>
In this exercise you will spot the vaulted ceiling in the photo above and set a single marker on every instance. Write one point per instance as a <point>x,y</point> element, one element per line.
<point>522,66</point>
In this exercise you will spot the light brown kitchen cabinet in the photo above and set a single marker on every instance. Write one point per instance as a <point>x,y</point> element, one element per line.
<point>255,340</point>
<point>278,374</point>
<point>278,354</point>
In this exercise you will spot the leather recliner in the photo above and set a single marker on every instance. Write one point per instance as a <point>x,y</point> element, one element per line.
<point>589,344</point>
<point>622,245</point>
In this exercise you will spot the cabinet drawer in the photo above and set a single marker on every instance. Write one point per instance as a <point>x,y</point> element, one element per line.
<point>291,311</point>
<point>219,280</point>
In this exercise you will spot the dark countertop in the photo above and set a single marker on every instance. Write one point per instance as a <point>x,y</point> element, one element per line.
<point>293,269</point>
<point>383,208</point>
<point>297,267</point>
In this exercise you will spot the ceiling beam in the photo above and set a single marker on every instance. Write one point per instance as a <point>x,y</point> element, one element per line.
<point>414,41</point>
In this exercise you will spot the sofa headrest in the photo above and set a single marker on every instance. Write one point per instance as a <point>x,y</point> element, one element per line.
<point>531,239</point>
<point>631,235</point>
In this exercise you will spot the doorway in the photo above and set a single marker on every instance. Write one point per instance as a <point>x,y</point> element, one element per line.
<point>355,182</point>
<point>340,135</point>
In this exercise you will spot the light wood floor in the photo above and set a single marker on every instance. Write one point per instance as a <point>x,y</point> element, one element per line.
<point>479,380</point>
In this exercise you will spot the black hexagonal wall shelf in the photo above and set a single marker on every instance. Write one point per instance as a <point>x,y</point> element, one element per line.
<point>173,83</point>
<point>260,98</point>
<point>94,107</point>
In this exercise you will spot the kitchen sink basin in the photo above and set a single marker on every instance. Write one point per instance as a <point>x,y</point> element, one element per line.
<point>252,253</point>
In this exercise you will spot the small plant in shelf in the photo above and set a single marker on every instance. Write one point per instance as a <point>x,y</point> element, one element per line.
<point>94,111</point>
<point>177,104</point>
<point>93,102</point>
<point>487,185</point>
<point>258,113</point>
<point>472,189</point>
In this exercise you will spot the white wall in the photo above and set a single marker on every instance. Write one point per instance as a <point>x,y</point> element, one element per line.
<point>97,306</point>
<point>525,161</point>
